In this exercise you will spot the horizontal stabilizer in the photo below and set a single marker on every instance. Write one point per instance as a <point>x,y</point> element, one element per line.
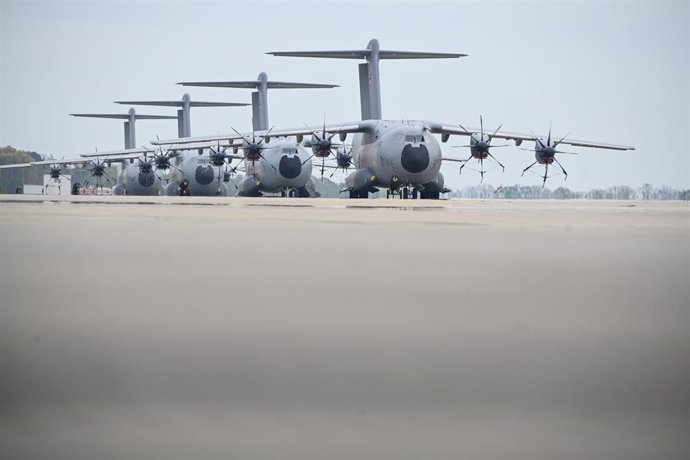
<point>385,54</point>
<point>255,84</point>
<point>181,103</point>
<point>349,54</point>
<point>290,85</point>
<point>363,54</point>
<point>222,84</point>
<point>119,116</point>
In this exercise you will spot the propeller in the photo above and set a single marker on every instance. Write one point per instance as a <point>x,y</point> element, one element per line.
<point>228,172</point>
<point>162,160</point>
<point>343,160</point>
<point>252,149</point>
<point>480,148</point>
<point>217,155</point>
<point>546,154</point>
<point>323,147</point>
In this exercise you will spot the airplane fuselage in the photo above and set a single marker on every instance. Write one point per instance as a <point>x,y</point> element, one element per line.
<point>285,166</point>
<point>140,181</point>
<point>402,149</point>
<point>196,176</point>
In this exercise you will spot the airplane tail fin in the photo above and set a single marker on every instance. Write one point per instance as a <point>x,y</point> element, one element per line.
<point>184,122</point>
<point>130,117</point>
<point>369,80</point>
<point>259,97</point>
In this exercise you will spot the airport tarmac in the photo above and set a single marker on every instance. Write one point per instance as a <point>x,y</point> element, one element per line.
<point>205,328</point>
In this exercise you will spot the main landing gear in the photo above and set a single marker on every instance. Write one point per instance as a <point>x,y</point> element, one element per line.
<point>411,193</point>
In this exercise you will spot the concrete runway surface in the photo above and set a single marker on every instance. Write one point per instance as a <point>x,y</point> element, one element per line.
<point>210,328</point>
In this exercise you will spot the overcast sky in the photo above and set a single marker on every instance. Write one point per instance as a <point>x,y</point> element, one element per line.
<point>607,71</point>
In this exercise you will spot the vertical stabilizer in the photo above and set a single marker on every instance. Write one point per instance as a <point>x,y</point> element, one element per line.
<point>180,123</point>
<point>364,91</point>
<point>256,116</point>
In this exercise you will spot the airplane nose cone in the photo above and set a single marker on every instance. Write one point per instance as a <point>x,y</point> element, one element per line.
<point>290,167</point>
<point>415,159</point>
<point>146,179</point>
<point>204,175</point>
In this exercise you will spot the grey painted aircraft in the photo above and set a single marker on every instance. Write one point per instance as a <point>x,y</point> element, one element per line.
<point>96,167</point>
<point>275,164</point>
<point>394,153</point>
<point>141,175</point>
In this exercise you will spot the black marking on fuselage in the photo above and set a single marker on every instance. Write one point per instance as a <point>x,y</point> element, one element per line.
<point>415,159</point>
<point>204,174</point>
<point>146,179</point>
<point>290,166</point>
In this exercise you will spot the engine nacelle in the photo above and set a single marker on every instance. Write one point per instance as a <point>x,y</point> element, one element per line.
<point>249,186</point>
<point>362,180</point>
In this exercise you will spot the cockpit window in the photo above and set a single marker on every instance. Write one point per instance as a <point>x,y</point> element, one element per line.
<point>415,139</point>
<point>289,151</point>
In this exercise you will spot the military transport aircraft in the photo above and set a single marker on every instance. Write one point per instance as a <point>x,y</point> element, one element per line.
<point>96,167</point>
<point>394,153</point>
<point>281,165</point>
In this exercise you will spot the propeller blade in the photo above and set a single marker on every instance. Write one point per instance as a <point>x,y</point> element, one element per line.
<point>495,132</point>
<point>243,138</point>
<point>536,138</point>
<point>337,132</point>
<point>269,163</point>
<point>310,157</point>
<point>562,139</point>
<point>261,141</point>
<point>312,132</point>
<point>548,139</point>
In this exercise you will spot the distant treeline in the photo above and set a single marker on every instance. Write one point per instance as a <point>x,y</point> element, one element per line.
<point>536,192</point>
<point>12,179</point>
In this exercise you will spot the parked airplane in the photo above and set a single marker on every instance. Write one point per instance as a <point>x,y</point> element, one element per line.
<point>96,167</point>
<point>392,153</point>
<point>142,178</point>
<point>281,166</point>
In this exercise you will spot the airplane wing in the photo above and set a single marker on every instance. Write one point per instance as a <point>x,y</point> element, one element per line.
<point>117,153</point>
<point>350,127</point>
<point>73,161</point>
<point>131,156</point>
<point>449,129</point>
<point>16,165</point>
